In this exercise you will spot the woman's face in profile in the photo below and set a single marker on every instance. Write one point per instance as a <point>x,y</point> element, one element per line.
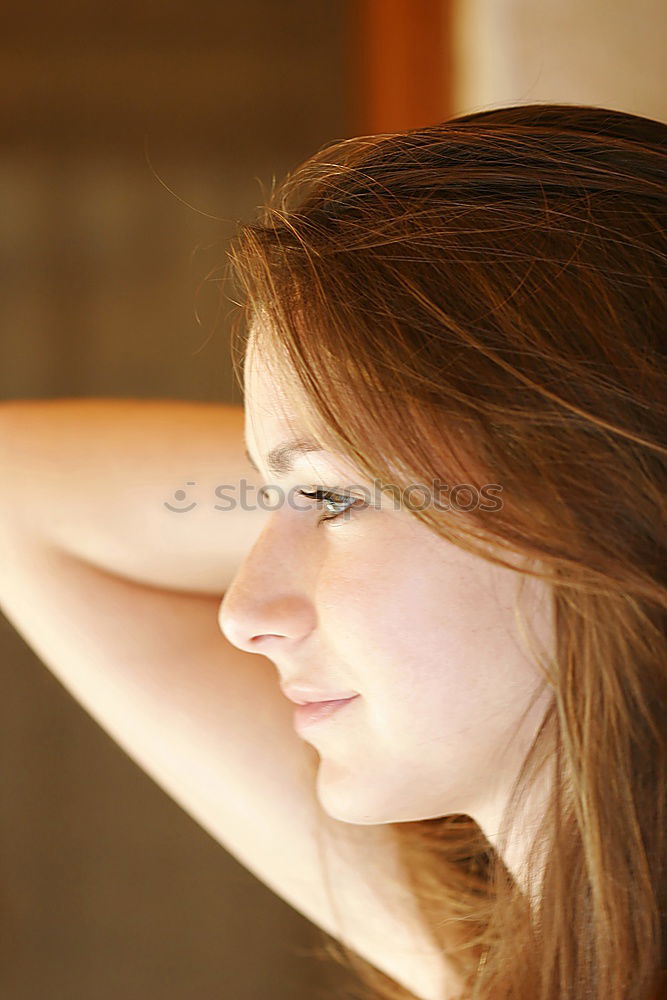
<point>375,603</point>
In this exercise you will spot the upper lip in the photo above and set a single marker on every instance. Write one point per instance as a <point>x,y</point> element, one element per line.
<point>304,695</point>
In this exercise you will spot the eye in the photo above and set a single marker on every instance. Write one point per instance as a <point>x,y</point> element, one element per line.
<point>339,503</point>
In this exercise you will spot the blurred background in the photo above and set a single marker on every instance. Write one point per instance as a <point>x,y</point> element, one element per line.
<point>132,138</point>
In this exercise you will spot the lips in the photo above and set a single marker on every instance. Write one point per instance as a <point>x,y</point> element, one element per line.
<point>311,713</point>
<point>304,695</point>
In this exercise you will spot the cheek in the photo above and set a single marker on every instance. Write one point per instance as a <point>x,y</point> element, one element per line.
<point>370,593</point>
<point>407,628</point>
<point>429,638</point>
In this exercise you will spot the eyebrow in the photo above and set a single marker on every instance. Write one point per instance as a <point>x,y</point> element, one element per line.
<point>279,460</point>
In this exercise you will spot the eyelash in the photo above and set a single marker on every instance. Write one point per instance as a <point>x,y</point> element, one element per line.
<point>324,496</point>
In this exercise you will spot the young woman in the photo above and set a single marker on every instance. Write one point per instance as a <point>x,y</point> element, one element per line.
<point>455,545</point>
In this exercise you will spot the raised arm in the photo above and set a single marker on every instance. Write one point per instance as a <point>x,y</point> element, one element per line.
<point>156,491</point>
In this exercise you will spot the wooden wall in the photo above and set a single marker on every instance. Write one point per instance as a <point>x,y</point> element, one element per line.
<point>107,889</point>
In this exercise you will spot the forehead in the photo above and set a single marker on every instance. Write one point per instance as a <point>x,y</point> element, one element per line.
<point>275,406</point>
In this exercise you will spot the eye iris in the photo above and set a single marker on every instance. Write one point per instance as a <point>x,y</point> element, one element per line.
<point>339,503</point>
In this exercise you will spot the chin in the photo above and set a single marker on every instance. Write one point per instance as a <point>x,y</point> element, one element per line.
<point>366,803</point>
<point>348,801</point>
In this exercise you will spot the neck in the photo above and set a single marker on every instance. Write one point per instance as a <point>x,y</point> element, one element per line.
<point>513,829</point>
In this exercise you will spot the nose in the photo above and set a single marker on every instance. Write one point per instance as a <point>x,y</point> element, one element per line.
<point>267,604</point>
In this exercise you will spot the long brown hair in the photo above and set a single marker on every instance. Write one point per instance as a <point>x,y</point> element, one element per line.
<point>483,300</point>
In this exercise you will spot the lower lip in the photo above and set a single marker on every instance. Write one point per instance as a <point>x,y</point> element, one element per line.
<point>318,711</point>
